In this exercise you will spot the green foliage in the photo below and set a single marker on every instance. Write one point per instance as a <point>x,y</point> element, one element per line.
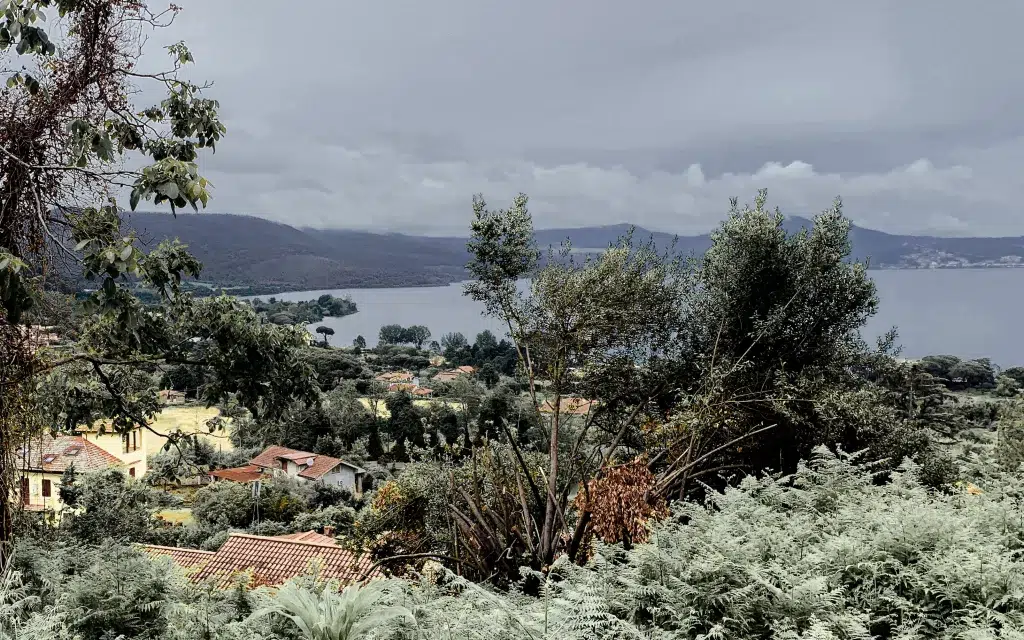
<point>230,505</point>
<point>224,505</point>
<point>325,614</point>
<point>1006,387</point>
<point>111,505</point>
<point>304,312</point>
<point>392,334</point>
<point>341,518</point>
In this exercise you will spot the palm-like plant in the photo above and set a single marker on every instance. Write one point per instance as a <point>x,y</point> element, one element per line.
<point>330,615</point>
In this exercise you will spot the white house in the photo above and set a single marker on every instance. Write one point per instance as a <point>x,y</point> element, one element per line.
<point>312,467</point>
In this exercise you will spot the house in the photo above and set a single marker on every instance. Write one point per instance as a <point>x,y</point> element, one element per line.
<point>271,560</point>
<point>42,461</point>
<point>171,396</point>
<point>411,388</point>
<point>36,336</point>
<point>312,467</point>
<point>395,376</point>
<point>452,374</point>
<point>130,448</point>
<point>248,473</point>
<point>570,406</point>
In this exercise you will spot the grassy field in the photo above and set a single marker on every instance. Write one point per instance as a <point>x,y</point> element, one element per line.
<point>382,411</point>
<point>190,420</point>
<point>176,516</point>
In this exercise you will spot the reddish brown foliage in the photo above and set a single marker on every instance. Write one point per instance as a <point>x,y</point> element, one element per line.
<point>621,502</point>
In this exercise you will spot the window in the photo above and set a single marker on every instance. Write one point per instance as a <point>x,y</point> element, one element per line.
<point>46,488</point>
<point>131,472</point>
<point>24,490</point>
<point>284,465</point>
<point>135,440</point>
<point>124,443</point>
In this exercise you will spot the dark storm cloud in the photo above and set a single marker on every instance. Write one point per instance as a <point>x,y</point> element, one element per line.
<point>390,115</point>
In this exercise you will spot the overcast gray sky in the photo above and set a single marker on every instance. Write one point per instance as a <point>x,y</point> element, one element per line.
<point>390,114</point>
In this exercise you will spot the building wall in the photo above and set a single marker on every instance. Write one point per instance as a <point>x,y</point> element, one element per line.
<point>113,444</point>
<point>35,489</point>
<point>341,476</point>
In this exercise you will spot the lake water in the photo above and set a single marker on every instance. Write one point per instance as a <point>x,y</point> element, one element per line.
<point>971,313</point>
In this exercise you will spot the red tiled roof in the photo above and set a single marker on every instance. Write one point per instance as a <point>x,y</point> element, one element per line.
<point>465,369</point>
<point>422,391</point>
<point>571,406</point>
<point>402,386</point>
<point>308,536</point>
<point>54,455</point>
<point>186,558</point>
<point>395,376</point>
<point>247,473</point>
<point>272,561</point>
<point>268,459</point>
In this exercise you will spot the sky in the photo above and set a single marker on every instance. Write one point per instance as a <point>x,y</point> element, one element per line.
<point>389,115</point>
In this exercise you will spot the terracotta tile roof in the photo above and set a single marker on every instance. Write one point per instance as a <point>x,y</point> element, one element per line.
<point>422,391</point>
<point>272,561</point>
<point>395,376</point>
<point>247,473</point>
<point>308,536</point>
<point>402,386</point>
<point>465,369</point>
<point>186,558</point>
<point>269,459</point>
<point>54,455</point>
<point>570,406</point>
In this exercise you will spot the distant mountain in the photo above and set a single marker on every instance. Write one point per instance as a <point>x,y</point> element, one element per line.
<point>244,251</point>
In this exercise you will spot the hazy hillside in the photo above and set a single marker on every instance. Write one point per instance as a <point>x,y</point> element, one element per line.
<point>244,250</point>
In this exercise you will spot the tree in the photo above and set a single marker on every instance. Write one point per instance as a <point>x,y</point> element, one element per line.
<point>939,366</point>
<point>391,334</point>
<point>454,347</point>
<point>359,342</point>
<point>612,313</point>
<point>417,335</point>
<point>325,331</point>
<point>69,124</point>
<point>973,373</point>
<point>70,491</point>
<point>1017,373</point>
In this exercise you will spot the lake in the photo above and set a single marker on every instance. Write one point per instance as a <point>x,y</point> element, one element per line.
<point>971,313</point>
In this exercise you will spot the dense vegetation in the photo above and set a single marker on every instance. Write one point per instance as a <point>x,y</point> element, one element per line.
<point>304,312</point>
<point>665,446</point>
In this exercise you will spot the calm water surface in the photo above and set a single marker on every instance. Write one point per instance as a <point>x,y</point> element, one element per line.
<point>967,312</point>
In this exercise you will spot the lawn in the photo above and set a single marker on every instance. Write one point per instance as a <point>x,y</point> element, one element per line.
<point>190,419</point>
<point>382,411</point>
<point>176,516</point>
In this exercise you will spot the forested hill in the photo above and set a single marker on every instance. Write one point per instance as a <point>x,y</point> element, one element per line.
<point>243,250</point>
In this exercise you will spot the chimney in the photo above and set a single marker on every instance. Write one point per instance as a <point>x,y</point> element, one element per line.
<point>329,531</point>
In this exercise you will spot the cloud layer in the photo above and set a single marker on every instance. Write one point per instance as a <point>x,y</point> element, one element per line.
<point>390,115</point>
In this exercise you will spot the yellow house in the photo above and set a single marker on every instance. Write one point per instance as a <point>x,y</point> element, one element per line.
<point>42,461</point>
<point>129,448</point>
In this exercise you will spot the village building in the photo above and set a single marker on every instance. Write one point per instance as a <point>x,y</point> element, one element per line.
<point>395,376</point>
<point>42,461</point>
<point>130,448</point>
<point>310,467</point>
<point>172,396</point>
<point>453,374</point>
<point>570,406</point>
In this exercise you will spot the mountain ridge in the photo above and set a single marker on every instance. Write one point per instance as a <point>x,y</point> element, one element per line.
<point>242,250</point>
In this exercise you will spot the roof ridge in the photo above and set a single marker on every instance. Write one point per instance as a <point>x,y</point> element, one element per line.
<point>160,546</point>
<point>292,541</point>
